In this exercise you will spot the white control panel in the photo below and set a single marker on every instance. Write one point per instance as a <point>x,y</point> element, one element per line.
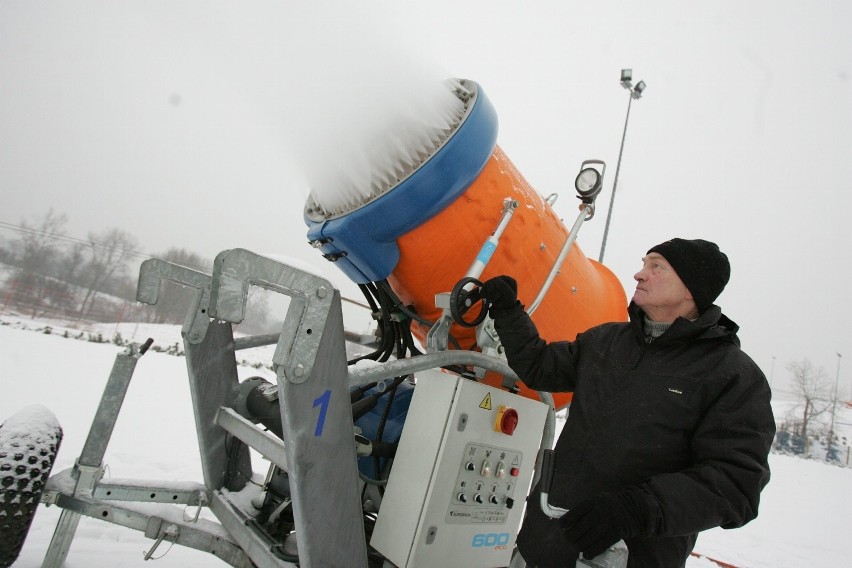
<point>462,471</point>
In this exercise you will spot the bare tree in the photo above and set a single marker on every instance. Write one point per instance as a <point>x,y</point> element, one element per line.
<point>70,265</point>
<point>38,241</point>
<point>38,248</point>
<point>811,387</point>
<point>109,252</point>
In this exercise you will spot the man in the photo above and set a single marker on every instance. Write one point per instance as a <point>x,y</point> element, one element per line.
<point>670,425</point>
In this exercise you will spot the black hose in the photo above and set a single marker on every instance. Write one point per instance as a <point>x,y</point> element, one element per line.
<point>388,327</point>
<point>383,332</point>
<point>380,429</point>
<point>409,342</point>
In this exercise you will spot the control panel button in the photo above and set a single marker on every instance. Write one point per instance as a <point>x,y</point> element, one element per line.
<point>469,466</point>
<point>494,500</point>
<point>514,472</point>
<point>462,497</point>
<point>500,470</point>
<point>477,498</point>
<point>486,469</point>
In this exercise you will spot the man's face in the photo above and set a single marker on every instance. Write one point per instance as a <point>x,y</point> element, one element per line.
<point>660,292</point>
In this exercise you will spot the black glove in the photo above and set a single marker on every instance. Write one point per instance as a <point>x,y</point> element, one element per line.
<point>501,292</point>
<point>597,523</point>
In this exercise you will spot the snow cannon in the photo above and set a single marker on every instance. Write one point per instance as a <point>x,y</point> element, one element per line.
<point>462,208</point>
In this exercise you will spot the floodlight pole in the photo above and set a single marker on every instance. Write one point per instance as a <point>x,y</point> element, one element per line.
<point>635,92</point>
<point>834,398</point>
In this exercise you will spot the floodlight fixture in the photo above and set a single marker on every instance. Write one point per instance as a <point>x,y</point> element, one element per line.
<point>589,181</point>
<point>626,78</point>
<point>637,90</point>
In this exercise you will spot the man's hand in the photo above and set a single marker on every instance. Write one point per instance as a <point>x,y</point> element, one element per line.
<point>501,292</point>
<point>597,523</point>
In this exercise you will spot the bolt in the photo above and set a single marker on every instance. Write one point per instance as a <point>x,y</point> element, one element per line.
<point>299,370</point>
<point>542,246</point>
<point>195,335</point>
<point>322,292</point>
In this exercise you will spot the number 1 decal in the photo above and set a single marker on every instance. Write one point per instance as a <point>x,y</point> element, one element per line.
<point>322,401</point>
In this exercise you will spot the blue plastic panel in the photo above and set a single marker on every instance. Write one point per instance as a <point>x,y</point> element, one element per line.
<point>364,241</point>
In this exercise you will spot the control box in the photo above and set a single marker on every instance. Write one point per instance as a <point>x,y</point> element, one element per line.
<point>462,471</point>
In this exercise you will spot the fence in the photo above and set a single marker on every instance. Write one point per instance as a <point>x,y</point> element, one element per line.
<point>54,299</point>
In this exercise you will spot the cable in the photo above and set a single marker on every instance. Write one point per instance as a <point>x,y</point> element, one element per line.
<point>402,307</point>
<point>380,430</point>
<point>370,481</point>
<point>61,237</point>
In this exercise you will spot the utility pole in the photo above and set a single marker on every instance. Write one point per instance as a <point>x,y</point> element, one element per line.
<point>635,93</point>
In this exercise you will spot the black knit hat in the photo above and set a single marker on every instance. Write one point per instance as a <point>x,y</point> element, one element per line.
<point>702,267</point>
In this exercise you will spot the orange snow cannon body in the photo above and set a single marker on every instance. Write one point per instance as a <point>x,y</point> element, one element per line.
<point>584,293</point>
<point>440,236</point>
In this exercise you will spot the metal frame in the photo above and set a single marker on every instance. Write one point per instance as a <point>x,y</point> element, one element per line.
<point>316,414</point>
<point>317,448</point>
<point>310,361</point>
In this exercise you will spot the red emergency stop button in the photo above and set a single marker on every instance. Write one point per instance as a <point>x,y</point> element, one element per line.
<point>507,420</point>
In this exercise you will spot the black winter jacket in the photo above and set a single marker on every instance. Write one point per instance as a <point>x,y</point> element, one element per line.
<point>686,417</point>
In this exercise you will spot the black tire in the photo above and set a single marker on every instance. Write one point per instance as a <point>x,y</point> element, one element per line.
<point>29,441</point>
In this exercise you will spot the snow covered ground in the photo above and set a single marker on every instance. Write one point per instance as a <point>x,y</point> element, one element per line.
<point>805,517</point>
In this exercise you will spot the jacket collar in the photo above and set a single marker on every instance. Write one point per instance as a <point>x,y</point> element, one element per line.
<point>712,324</point>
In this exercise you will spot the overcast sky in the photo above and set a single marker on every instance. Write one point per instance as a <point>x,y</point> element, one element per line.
<point>186,123</point>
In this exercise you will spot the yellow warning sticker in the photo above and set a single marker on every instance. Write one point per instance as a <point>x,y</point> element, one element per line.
<point>486,402</point>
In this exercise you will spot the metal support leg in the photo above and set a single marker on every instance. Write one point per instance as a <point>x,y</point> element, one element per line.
<point>212,370</point>
<point>88,469</point>
<point>317,418</point>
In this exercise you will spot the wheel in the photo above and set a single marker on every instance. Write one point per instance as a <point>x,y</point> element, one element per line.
<point>29,441</point>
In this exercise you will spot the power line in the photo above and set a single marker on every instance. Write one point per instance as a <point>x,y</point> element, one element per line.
<point>22,229</point>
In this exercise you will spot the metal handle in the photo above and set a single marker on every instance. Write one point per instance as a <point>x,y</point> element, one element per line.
<point>547,465</point>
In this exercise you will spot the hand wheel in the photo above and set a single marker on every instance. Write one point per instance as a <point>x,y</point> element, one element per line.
<point>461,301</point>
